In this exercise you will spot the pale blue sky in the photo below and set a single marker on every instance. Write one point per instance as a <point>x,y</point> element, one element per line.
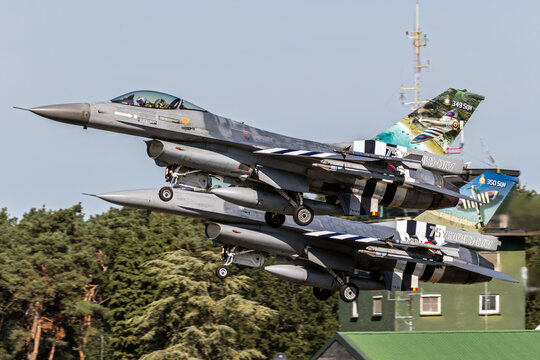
<point>322,70</point>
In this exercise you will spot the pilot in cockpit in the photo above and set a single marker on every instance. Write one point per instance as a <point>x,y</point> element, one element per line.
<point>142,101</point>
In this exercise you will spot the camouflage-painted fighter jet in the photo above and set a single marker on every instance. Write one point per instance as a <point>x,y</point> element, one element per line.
<point>328,253</point>
<point>273,171</point>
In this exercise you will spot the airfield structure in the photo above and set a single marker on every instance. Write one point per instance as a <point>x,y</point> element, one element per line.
<point>418,42</point>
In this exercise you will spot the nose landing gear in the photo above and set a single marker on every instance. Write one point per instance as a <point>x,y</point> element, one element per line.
<point>231,254</point>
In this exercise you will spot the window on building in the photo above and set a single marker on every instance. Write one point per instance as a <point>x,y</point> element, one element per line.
<point>377,306</point>
<point>489,304</point>
<point>354,310</point>
<point>493,257</point>
<point>430,305</point>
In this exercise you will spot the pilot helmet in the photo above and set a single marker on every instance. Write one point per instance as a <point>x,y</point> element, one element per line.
<point>141,100</point>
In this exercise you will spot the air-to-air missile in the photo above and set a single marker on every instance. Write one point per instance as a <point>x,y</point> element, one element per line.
<point>332,253</point>
<point>356,176</point>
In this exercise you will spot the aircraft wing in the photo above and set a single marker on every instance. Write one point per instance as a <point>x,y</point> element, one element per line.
<point>445,191</point>
<point>391,242</point>
<point>478,269</point>
<point>337,162</point>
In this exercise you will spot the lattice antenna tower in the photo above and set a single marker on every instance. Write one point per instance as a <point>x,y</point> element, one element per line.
<point>418,41</point>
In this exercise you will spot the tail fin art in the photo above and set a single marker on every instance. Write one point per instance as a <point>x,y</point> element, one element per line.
<point>435,125</point>
<point>490,188</point>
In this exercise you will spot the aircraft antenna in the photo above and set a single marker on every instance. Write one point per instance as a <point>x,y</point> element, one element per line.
<point>418,41</point>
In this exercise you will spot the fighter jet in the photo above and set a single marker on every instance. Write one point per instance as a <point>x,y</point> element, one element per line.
<point>272,171</point>
<point>332,253</point>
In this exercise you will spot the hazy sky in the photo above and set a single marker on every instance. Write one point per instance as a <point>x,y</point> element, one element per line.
<point>322,70</point>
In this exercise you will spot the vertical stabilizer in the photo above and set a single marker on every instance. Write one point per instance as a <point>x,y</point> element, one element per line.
<point>435,125</point>
<point>490,188</point>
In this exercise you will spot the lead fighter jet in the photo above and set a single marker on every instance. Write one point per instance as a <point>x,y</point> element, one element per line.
<point>272,171</point>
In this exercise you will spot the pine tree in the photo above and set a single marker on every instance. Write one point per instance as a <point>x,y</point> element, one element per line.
<point>197,316</point>
<point>47,263</point>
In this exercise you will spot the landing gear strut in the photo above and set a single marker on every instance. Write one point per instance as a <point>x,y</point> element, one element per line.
<point>303,214</point>
<point>348,291</point>
<point>227,254</point>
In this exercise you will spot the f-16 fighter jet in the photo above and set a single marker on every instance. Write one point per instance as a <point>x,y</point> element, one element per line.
<point>271,171</point>
<point>332,253</point>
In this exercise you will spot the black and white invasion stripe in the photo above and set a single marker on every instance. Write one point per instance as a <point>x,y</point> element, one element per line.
<point>379,148</point>
<point>293,152</point>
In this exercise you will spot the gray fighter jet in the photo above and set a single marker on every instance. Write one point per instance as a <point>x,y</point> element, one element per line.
<point>272,171</point>
<point>331,253</point>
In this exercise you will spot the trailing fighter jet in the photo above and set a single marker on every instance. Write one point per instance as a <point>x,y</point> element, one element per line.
<point>273,171</point>
<point>332,253</point>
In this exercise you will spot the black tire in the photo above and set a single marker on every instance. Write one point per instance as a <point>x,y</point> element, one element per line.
<point>348,292</point>
<point>222,272</point>
<point>303,215</point>
<point>274,220</point>
<point>322,294</point>
<point>166,193</point>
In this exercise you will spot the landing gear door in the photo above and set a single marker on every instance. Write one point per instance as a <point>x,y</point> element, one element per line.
<point>279,179</point>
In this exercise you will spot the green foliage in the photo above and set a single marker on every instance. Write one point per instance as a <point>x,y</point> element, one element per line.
<point>303,323</point>
<point>155,294</point>
<point>46,262</point>
<point>195,315</point>
<point>524,209</point>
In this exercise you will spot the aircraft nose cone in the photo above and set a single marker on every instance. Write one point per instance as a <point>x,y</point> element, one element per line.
<point>134,198</point>
<point>76,114</point>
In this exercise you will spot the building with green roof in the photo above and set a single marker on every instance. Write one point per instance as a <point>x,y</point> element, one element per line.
<point>418,345</point>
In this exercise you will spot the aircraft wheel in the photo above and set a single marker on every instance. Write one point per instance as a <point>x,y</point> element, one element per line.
<point>274,220</point>
<point>222,272</point>
<point>303,215</point>
<point>322,294</point>
<point>166,193</point>
<point>348,292</point>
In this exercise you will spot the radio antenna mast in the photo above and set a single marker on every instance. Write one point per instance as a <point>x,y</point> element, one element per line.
<point>418,42</point>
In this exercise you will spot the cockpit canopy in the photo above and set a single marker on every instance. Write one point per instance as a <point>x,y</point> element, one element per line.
<point>156,100</point>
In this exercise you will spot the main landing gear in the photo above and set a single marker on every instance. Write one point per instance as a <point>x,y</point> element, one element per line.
<point>348,292</point>
<point>303,215</point>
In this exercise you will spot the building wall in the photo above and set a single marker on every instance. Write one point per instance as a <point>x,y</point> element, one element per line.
<point>366,321</point>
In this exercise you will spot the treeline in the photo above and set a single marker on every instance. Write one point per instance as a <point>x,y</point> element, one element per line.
<point>131,284</point>
<point>524,210</point>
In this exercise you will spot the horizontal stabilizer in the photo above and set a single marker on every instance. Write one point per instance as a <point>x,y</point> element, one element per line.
<point>479,270</point>
<point>445,191</point>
